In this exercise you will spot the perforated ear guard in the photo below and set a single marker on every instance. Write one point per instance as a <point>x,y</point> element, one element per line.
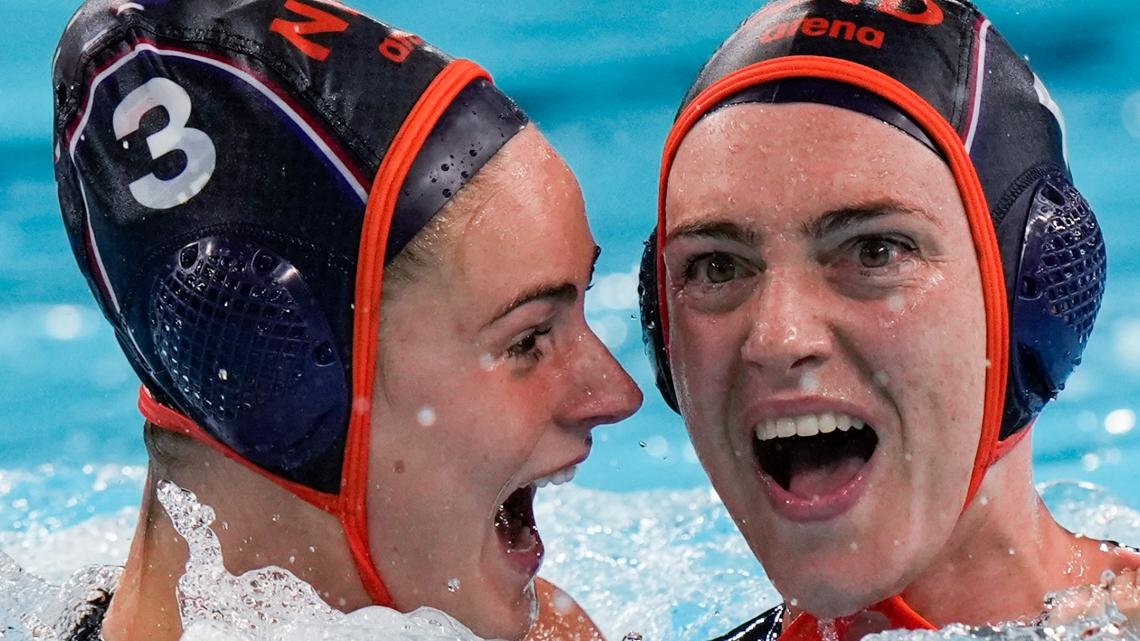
<point>1054,299</point>
<point>244,349</point>
<point>651,330</point>
<point>1058,290</point>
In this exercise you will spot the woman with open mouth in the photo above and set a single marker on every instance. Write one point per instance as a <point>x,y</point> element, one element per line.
<point>870,272</point>
<point>240,183</point>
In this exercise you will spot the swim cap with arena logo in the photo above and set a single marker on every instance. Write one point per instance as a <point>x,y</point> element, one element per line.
<point>234,177</point>
<point>939,71</point>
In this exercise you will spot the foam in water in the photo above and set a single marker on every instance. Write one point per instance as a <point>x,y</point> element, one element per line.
<point>271,604</point>
<point>655,565</point>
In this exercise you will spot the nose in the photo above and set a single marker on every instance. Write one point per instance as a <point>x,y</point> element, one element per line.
<point>600,390</point>
<point>790,332</point>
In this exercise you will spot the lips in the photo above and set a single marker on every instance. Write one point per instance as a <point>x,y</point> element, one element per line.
<point>814,465</point>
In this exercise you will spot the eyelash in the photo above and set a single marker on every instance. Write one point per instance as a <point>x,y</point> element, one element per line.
<point>689,271</point>
<point>899,243</point>
<point>527,349</point>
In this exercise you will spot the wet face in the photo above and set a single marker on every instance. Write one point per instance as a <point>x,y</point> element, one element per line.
<point>489,384</point>
<point>827,340</point>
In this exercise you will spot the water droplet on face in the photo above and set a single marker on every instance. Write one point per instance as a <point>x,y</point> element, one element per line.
<point>453,585</point>
<point>426,416</point>
<point>881,379</point>
<point>854,546</point>
<point>486,362</point>
<point>809,382</point>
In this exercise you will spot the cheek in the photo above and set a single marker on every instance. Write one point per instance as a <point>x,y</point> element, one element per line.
<point>930,363</point>
<point>702,353</point>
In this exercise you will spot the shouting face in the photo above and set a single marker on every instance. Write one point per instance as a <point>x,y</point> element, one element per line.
<point>489,383</point>
<point>827,339</point>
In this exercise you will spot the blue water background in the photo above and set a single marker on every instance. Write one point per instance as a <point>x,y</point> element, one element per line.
<point>603,79</point>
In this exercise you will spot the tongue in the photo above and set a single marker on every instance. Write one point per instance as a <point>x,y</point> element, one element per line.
<point>813,481</point>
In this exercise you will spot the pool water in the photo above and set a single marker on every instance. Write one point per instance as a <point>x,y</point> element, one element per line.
<point>603,80</point>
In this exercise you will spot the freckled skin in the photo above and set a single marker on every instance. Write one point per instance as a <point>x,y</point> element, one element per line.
<point>500,421</point>
<point>786,314</point>
<point>807,314</point>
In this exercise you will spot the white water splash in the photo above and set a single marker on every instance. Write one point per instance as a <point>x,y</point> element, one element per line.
<point>31,609</point>
<point>271,604</point>
<point>660,565</point>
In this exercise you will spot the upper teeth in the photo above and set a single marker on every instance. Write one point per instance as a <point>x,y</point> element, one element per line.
<point>806,425</point>
<point>558,477</point>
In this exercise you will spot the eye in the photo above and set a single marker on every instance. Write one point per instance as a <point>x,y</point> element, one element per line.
<point>875,253</point>
<point>715,268</point>
<point>526,348</point>
<point>878,252</point>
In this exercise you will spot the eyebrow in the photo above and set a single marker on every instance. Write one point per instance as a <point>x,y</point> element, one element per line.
<point>840,219</point>
<point>720,229</point>
<point>554,293</point>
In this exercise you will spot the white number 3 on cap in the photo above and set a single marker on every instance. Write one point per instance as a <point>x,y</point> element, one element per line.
<point>150,190</point>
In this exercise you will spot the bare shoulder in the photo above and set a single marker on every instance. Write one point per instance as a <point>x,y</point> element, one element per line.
<point>560,618</point>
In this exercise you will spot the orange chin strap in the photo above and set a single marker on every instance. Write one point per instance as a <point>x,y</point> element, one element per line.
<point>805,627</point>
<point>350,506</point>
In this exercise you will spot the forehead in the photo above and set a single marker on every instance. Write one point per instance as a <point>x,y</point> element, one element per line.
<point>785,162</point>
<point>525,223</point>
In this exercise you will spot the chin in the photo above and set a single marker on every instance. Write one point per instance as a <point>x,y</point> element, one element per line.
<point>827,597</point>
<point>509,621</point>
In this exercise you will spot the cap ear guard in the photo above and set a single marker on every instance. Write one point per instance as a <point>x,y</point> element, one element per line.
<point>651,329</point>
<point>1058,291</point>
<point>241,346</point>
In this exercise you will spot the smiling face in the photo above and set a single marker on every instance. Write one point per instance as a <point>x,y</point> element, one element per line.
<point>827,343</point>
<point>489,383</point>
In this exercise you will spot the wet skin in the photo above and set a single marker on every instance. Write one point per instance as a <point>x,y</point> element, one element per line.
<point>488,378</point>
<point>818,260</point>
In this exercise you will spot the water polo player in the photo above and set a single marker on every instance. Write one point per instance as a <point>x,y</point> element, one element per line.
<point>240,182</point>
<point>871,270</point>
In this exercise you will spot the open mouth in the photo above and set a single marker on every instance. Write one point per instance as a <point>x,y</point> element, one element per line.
<point>816,455</point>
<point>514,523</point>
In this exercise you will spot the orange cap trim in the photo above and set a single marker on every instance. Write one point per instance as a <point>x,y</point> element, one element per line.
<point>385,191</point>
<point>174,421</point>
<point>977,216</point>
<point>965,175</point>
<point>805,627</point>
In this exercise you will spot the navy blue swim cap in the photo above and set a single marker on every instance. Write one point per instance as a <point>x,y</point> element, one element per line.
<point>939,71</point>
<point>234,176</point>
